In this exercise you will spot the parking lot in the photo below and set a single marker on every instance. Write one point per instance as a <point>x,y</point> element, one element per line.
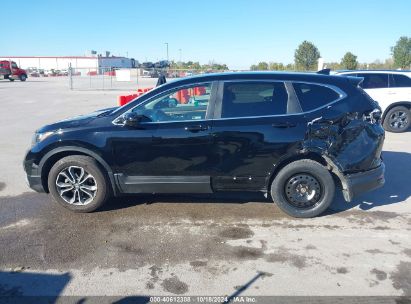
<point>186,245</point>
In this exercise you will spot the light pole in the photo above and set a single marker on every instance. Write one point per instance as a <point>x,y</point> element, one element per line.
<point>179,50</point>
<point>166,43</point>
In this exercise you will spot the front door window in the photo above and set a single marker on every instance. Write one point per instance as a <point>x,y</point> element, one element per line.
<point>184,104</point>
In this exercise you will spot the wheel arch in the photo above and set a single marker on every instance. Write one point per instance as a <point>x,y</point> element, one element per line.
<point>315,156</point>
<point>51,157</point>
<point>406,104</point>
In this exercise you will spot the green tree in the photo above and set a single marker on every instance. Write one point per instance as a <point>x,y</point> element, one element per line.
<point>333,66</point>
<point>401,52</point>
<point>349,61</point>
<point>262,66</point>
<point>289,67</point>
<point>306,56</point>
<point>275,66</point>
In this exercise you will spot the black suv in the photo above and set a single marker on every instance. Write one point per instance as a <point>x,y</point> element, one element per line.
<point>293,136</point>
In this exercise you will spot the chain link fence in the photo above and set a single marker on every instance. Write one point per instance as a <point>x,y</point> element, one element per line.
<point>122,79</point>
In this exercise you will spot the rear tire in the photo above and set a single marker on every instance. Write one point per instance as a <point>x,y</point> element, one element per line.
<point>397,120</point>
<point>11,79</point>
<point>303,189</point>
<point>78,183</point>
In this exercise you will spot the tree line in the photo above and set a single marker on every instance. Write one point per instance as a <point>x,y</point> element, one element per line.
<point>306,58</point>
<point>195,65</point>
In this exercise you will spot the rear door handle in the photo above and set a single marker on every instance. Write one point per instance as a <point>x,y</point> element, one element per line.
<point>283,125</point>
<point>196,128</point>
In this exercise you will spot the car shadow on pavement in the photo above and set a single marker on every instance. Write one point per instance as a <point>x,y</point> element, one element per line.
<point>396,189</point>
<point>31,287</point>
<point>215,198</point>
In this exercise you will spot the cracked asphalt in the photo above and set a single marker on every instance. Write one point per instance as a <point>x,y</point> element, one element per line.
<point>191,245</point>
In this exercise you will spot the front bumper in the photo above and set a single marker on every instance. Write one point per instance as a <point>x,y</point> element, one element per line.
<point>33,176</point>
<point>358,183</point>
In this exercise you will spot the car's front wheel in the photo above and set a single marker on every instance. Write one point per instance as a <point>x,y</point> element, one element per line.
<point>78,183</point>
<point>303,188</point>
<point>397,120</point>
<point>23,77</point>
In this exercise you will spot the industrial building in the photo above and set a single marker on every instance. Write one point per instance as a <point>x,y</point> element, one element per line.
<point>63,62</point>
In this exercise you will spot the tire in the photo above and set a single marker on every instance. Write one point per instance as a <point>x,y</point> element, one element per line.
<point>23,77</point>
<point>397,120</point>
<point>315,182</point>
<point>11,79</point>
<point>65,174</point>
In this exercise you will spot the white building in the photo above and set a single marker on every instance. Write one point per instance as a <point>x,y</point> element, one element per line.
<point>63,62</point>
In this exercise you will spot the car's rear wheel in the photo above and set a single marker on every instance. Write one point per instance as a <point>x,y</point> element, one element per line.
<point>303,188</point>
<point>11,79</point>
<point>397,120</point>
<point>78,183</point>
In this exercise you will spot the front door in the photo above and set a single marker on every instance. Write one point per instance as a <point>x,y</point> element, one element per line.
<point>176,156</point>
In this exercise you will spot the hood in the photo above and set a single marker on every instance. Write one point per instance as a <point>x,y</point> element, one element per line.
<point>76,121</point>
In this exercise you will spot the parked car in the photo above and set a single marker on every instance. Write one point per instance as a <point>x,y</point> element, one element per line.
<point>9,70</point>
<point>162,64</point>
<point>147,65</point>
<point>291,136</point>
<point>392,91</point>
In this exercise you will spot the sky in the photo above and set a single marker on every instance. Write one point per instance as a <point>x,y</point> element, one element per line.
<point>236,32</point>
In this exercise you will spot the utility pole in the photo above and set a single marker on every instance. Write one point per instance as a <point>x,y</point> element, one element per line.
<point>166,43</point>
<point>179,50</point>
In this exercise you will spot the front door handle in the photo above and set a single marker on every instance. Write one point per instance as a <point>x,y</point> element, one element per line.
<point>196,128</point>
<point>283,125</point>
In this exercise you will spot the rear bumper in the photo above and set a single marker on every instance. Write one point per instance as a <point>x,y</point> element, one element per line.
<point>358,183</point>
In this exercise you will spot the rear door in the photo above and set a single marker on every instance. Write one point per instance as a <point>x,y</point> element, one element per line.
<point>256,124</point>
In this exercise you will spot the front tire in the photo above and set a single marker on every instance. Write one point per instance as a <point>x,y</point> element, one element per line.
<point>78,183</point>
<point>397,120</point>
<point>303,189</point>
<point>23,77</point>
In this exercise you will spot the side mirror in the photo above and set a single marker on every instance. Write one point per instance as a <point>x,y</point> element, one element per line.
<point>132,119</point>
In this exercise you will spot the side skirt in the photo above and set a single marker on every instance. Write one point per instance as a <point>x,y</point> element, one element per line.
<point>163,184</point>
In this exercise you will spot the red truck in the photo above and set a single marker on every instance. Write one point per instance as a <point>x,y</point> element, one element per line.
<point>9,70</point>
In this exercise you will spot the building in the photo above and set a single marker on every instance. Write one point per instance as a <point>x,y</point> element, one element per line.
<point>63,62</point>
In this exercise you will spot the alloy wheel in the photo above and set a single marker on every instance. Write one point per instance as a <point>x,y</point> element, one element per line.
<point>76,186</point>
<point>398,120</point>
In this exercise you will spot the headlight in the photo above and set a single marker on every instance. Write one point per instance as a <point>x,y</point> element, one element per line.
<point>38,137</point>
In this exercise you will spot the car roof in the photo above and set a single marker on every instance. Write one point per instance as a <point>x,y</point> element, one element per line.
<point>374,71</point>
<point>286,76</point>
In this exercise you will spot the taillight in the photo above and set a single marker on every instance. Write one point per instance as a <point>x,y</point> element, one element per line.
<point>373,117</point>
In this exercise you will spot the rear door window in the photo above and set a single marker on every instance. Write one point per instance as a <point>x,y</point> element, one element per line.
<point>313,96</point>
<point>249,99</point>
<point>374,80</point>
<point>400,81</point>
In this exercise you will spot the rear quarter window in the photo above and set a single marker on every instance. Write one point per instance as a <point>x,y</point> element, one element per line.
<point>400,81</point>
<point>313,96</point>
